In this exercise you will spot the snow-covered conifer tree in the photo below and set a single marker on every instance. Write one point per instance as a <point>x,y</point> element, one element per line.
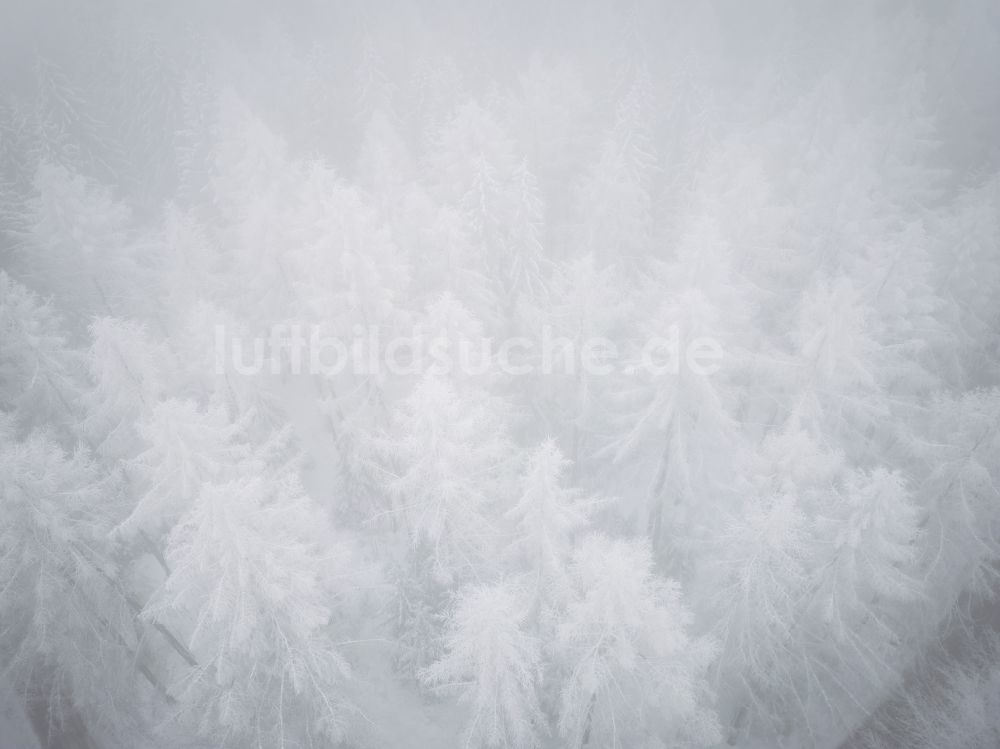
<point>128,374</point>
<point>678,423</point>
<point>449,463</point>
<point>958,497</point>
<point>630,669</point>
<point>840,364</point>
<point>248,585</point>
<point>76,243</point>
<point>41,377</point>
<point>185,448</point>
<point>494,664</point>
<point>478,171</point>
<point>585,303</point>
<point>547,516</point>
<point>615,196</point>
<point>759,576</point>
<point>68,631</point>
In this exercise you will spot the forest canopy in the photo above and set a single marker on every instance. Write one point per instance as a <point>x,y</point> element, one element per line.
<point>529,375</point>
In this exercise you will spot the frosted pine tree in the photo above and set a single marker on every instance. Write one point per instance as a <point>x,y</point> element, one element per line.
<point>349,280</point>
<point>41,377</point>
<point>140,92</point>
<point>520,260</point>
<point>68,636</point>
<point>187,264</point>
<point>476,169</point>
<point>76,243</point>
<point>947,701</point>
<point>346,267</point>
<point>185,447</point>
<point>494,664</point>
<point>585,303</point>
<point>447,466</point>
<point>216,359</point>
<point>840,365</point>
<point>253,184</point>
<point>454,342</point>
<point>758,577</point>
<point>420,601</point>
<point>967,278</point>
<point>547,516</point>
<point>675,422</point>
<point>128,374</point>
<point>958,496</point>
<point>448,463</point>
<point>630,670</point>
<point>441,252</point>
<point>549,114</point>
<point>66,126</point>
<point>614,204</point>
<point>866,586</point>
<point>384,164</point>
<point>896,279</point>
<point>248,587</point>
<point>871,561</point>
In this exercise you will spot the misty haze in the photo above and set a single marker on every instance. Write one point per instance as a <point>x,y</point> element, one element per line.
<point>481,375</point>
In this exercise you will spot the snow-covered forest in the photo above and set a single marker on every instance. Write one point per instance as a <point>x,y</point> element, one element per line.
<point>211,536</point>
